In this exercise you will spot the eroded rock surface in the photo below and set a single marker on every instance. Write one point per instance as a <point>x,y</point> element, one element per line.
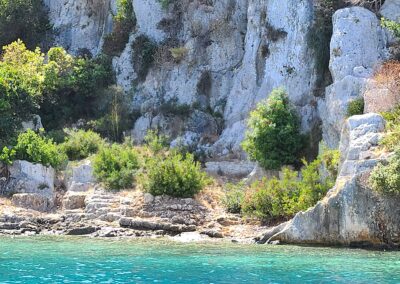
<point>358,45</point>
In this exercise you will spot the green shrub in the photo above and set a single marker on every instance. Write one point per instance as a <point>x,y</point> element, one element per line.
<point>165,3</point>
<point>155,141</point>
<point>274,137</point>
<point>21,86</point>
<point>174,175</point>
<point>117,116</point>
<point>74,87</point>
<point>35,148</point>
<point>392,26</point>
<point>26,20</point>
<point>81,144</point>
<point>392,137</point>
<point>273,198</point>
<point>124,23</point>
<point>355,107</point>
<point>276,199</point>
<point>116,166</point>
<point>234,196</point>
<point>385,177</point>
<point>143,59</point>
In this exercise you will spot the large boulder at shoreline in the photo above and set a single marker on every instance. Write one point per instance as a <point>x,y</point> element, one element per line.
<point>351,213</point>
<point>34,183</point>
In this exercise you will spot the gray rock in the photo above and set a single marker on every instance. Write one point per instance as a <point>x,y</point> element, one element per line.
<point>31,201</point>
<point>358,44</point>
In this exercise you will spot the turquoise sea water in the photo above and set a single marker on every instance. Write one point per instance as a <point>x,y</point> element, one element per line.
<point>81,260</point>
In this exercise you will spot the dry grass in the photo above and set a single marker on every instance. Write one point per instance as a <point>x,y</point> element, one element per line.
<point>388,76</point>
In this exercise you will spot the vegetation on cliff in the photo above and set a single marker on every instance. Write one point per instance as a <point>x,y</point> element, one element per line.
<point>274,137</point>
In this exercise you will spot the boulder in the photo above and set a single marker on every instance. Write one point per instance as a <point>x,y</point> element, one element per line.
<point>74,200</point>
<point>32,201</point>
<point>232,169</point>
<point>357,46</point>
<point>79,176</point>
<point>35,179</point>
<point>391,11</point>
<point>351,214</point>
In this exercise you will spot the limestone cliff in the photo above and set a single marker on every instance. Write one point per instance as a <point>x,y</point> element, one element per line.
<point>234,54</point>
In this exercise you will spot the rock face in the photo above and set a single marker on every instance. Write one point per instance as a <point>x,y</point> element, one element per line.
<point>233,53</point>
<point>357,47</point>
<point>32,185</point>
<point>80,25</point>
<point>351,214</point>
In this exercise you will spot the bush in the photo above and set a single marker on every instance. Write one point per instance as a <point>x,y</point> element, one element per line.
<point>355,107</point>
<point>233,198</point>
<point>277,199</point>
<point>117,116</point>
<point>143,59</point>
<point>81,144</point>
<point>23,19</point>
<point>392,137</point>
<point>385,177</point>
<point>392,26</point>
<point>34,148</point>
<point>124,22</point>
<point>155,141</point>
<point>73,88</point>
<point>274,137</point>
<point>174,175</point>
<point>21,86</point>
<point>116,166</point>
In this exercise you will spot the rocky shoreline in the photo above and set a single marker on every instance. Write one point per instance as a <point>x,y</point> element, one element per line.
<point>105,214</point>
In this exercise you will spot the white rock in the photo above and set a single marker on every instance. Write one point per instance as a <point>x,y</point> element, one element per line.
<point>149,14</point>
<point>81,24</point>
<point>357,40</point>
<point>357,46</point>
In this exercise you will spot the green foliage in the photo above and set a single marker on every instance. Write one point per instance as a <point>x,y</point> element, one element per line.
<point>117,117</point>
<point>116,166</point>
<point>155,141</point>
<point>355,107</point>
<point>234,197</point>
<point>81,144</point>
<point>392,26</point>
<point>274,137</point>
<point>174,175</point>
<point>144,57</point>
<point>33,147</point>
<point>165,3</point>
<point>23,19</point>
<point>73,88</point>
<point>7,155</point>
<point>275,199</point>
<point>391,140</point>
<point>385,177</point>
<point>21,85</point>
<point>124,23</point>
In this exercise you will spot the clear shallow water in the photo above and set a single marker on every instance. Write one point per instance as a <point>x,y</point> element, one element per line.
<point>81,260</point>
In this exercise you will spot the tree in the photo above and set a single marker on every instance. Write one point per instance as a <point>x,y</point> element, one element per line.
<point>23,19</point>
<point>21,85</point>
<point>274,138</point>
